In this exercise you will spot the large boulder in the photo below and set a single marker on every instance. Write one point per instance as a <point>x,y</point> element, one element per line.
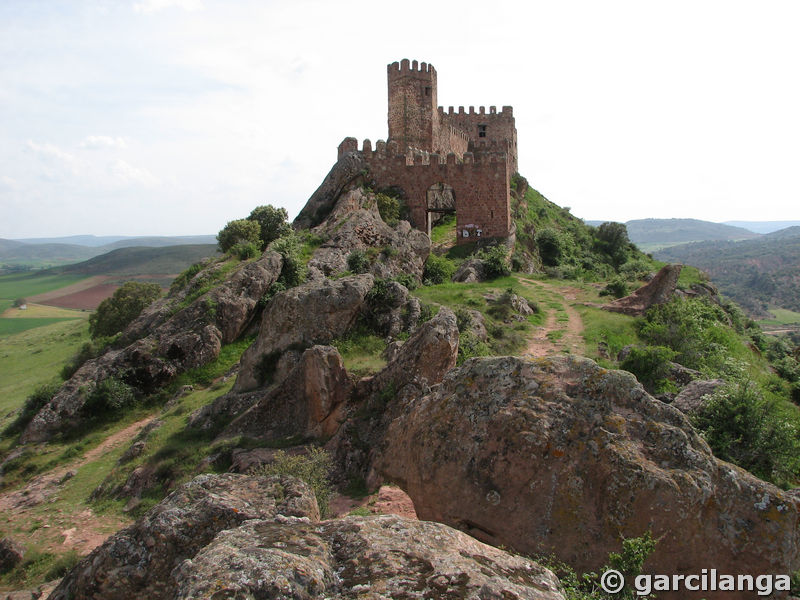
<point>313,313</point>
<point>348,168</point>
<point>383,556</point>
<point>308,403</point>
<point>11,554</point>
<point>657,291</point>
<point>176,340</point>
<point>236,536</point>
<point>137,562</point>
<point>561,456</point>
<point>356,225</point>
<point>693,397</point>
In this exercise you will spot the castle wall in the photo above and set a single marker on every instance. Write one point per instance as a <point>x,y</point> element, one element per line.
<point>499,126</point>
<point>480,184</point>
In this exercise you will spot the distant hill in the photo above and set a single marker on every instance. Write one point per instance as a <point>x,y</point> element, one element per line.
<point>763,226</point>
<point>38,253</point>
<point>757,273</point>
<point>654,234</point>
<point>141,261</point>
<point>121,241</point>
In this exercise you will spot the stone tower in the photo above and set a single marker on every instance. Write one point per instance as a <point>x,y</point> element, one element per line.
<point>413,114</point>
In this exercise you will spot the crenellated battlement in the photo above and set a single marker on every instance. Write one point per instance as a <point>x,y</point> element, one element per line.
<point>505,111</point>
<point>484,153</point>
<point>406,66</point>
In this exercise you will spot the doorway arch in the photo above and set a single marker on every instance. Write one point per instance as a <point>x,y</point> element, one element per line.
<point>440,200</point>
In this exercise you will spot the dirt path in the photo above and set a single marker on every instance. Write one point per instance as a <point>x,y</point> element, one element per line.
<point>82,529</point>
<point>563,325</point>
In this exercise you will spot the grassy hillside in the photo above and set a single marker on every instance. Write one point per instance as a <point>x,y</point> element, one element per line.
<point>141,261</point>
<point>653,234</point>
<point>40,253</point>
<point>758,274</point>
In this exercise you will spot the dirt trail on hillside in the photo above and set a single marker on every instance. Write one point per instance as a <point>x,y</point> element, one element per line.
<point>564,336</point>
<point>62,530</point>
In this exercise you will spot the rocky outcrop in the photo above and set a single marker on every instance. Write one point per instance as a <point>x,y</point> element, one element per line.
<point>694,396</point>
<point>471,270</point>
<point>659,290</point>
<point>11,554</point>
<point>313,313</point>
<point>355,224</point>
<point>137,562</point>
<point>309,403</point>
<point>561,456</point>
<point>383,556</point>
<point>424,358</point>
<point>236,536</point>
<point>347,169</point>
<point>191,337</point>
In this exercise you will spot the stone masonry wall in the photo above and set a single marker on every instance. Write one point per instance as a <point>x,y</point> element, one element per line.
<point>480,184</point>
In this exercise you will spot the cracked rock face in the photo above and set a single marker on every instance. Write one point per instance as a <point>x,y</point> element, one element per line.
<point>561,456</point>
<point>236,536</point>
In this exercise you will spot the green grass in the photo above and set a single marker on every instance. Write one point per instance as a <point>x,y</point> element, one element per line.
<point>444,231</point>
<point>34,357</point>
<point>782,316</point>
<point>361,352</point>
<point>13,326</point>
<point>615,329</point>
<point>25,285</point>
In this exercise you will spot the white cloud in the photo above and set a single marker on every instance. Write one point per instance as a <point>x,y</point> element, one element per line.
<point>126,174</point>
<point>148,7</point>
<point>103,141</point>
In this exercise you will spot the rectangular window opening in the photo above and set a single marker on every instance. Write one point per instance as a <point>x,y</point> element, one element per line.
<point>481,130</point>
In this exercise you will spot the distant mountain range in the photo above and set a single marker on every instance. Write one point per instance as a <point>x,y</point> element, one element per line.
<point>49,252</point>
<point>763,226</point>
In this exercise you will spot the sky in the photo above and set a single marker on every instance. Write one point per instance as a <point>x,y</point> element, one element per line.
<point>173,117</point>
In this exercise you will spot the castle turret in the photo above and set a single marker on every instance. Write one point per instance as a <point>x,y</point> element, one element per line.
<point>413,114</point>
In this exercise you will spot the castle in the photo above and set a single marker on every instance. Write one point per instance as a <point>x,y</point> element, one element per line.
<point>444,161</point>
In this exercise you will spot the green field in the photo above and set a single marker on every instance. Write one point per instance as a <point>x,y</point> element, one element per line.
<point>782,316</point>
<point>32,358</point>
<point>24,285</point>
<point>13,326</point>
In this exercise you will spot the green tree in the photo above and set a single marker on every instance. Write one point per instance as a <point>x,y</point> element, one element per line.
<point>115,313</point>
<point>271,221</point>
<point>612,240</point>
<point>241,231</point>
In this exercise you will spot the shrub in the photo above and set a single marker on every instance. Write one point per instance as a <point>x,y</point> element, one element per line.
<point>389,209</point>
<point>272,223</point>
<point>616,287</point>
<point>235,232</point>
<point>293,272</point>
<point>314,468</point>
<point>184,278</point>
<point>19,302</point>
<point>89,350</point>
<point>754,432</point>
<point>245,250</point>
<point>116,313</point>
<point>651,365</point>
<point>357,261</point>
<point>550,246</point>
<point>108,398</point>
<point>33,404</point>
<point>408,280</point>
<point>495,259</point>
<point>587,586</point>
<point>438,269</point>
